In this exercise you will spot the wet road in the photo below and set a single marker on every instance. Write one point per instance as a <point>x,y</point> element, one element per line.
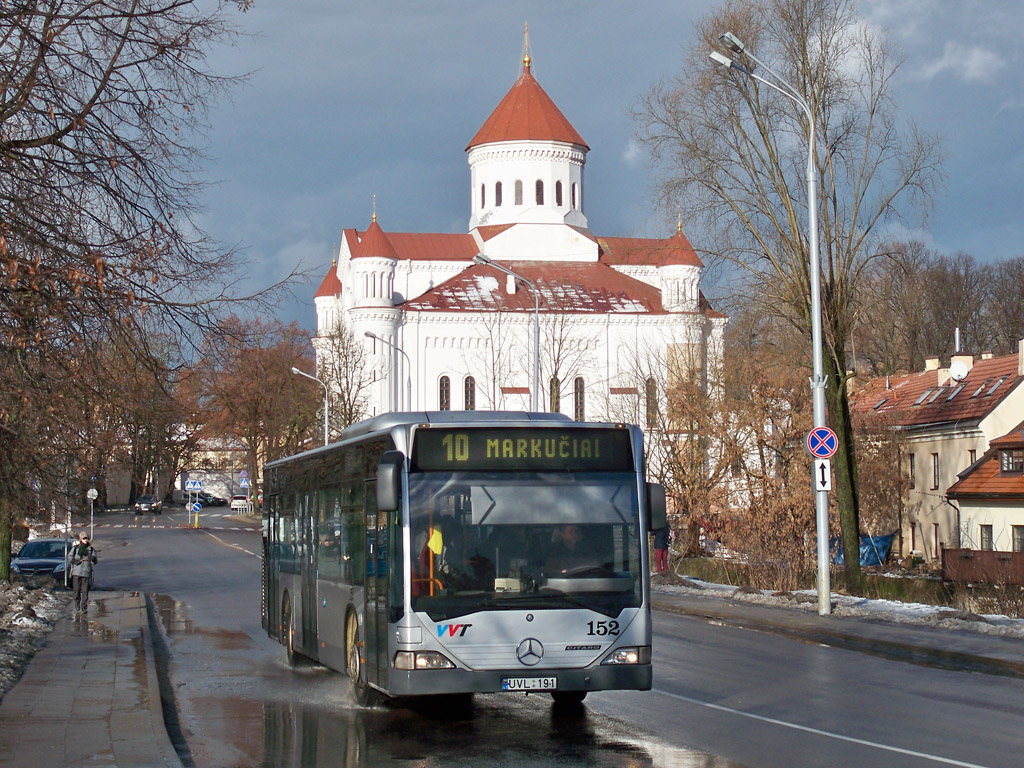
<point>723,696</point>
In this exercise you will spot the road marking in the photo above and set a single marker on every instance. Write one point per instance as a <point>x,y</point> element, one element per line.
<point>818,732</point>
<point>233,546</point>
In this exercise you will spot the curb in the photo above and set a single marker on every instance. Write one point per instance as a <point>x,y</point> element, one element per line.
<point>156,710</point>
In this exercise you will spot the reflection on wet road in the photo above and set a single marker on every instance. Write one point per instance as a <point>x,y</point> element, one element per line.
<point>242,706</point>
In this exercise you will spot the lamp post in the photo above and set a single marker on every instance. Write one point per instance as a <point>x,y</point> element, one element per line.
<point>735,45</point>
<point>314,378</point>
<point>408,371</point>
<point>535,392</point>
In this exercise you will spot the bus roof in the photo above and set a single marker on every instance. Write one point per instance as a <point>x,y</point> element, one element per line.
<point>388,420</point>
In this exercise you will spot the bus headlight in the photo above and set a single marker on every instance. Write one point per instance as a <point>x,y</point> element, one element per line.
<point>421,660</point>
<point>637,655</point>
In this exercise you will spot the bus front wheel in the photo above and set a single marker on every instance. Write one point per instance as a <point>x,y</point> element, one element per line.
<point>288,633</point>
<point>361,692</point>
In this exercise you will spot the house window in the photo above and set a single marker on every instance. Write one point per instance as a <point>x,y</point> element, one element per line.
<point>519,192</point>
<point>913,474</point>
<point>1018,538</point>
<point>540,192</point>
<point>651,392</point>
<point>556,395</point>
<point>578,403</point>
<point>497,194</point>
<point>470,394</point>
<point>483,196</point>
<point>935,541</point>
<point>558,194</point>
<point>1012,460</point>
<point>444,394</point>
<point>986,537</point>
<point>935,471</point>
<point>972,456</point>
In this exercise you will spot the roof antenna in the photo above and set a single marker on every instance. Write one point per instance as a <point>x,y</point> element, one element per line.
<point>956,342</point>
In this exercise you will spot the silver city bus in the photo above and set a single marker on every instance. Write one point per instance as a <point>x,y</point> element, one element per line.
<point>465,552</point>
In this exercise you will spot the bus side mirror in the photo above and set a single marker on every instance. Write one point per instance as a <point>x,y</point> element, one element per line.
<point>389,481</point>
<point>657,518</point>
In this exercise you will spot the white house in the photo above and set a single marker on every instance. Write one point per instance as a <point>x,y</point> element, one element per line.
<point>614,314</point>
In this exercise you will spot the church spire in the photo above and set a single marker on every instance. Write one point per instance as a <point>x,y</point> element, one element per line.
<point>526,48</point>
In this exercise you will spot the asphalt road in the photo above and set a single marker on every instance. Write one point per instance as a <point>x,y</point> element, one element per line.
<point>723,696</point>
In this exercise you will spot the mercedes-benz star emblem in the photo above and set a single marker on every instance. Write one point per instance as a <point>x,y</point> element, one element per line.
<point>530,651</point>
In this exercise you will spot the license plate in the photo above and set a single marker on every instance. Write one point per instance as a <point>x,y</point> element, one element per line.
<point>529,683</point>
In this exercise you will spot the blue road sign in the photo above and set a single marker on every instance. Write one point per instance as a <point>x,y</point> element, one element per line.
<point>244,482</point>
<point>822,443</point>
<point>197,507</point>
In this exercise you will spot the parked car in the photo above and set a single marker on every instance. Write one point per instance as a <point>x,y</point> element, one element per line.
<point>240,502</point>
<point>147,503</point>
<point>41,561</point>
<point>209,500</point>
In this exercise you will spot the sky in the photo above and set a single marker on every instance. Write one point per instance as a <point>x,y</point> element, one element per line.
<point>347,102</point>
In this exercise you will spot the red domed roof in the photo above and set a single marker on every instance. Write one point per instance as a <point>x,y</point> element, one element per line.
<point>526,112</point>
<point>374,243</point>
<point>331,285</point>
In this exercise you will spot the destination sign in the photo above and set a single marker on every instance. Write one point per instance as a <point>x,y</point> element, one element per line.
<point>522,448</point>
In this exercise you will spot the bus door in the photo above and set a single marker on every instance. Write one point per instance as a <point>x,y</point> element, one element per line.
<point>377,569</point>
<point>271,595</point>
<point>307,552</point>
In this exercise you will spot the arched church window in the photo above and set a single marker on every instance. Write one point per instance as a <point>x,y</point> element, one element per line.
<point>444,394</point>
<point>540,192</point>
<point>558,194</point>
<point>519,192</point>
<point>575,207</point>
<point>497,194</point>
<point>578,403</point>
<point>470,394</point>
<point>483,196</point>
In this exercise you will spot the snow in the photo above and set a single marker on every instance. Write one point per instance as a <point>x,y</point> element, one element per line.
<point>847,605</point>
<point>26,618</point>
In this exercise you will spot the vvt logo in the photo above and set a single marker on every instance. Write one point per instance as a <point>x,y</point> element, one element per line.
<point>452,629</point>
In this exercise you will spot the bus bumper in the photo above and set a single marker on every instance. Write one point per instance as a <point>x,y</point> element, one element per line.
<point>607,677</point>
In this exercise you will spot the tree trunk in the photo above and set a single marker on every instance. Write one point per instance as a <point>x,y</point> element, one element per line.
<point>6,526</point>
<point>845,470</point>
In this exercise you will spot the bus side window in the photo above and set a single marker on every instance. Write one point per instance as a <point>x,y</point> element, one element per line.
<point>329,544</point>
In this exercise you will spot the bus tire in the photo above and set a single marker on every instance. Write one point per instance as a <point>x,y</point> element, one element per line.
<point>354,650</point>
<point>288,632</point>
<point>568,698</point>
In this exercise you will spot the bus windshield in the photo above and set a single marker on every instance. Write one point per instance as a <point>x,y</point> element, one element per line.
<point>524,540</point>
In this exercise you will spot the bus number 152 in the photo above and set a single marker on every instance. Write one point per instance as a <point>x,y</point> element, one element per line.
<point>602,628</point>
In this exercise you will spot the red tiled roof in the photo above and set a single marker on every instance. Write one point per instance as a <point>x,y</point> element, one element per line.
<point>414,246</point>
<point>515,390</point>
<point>583,287</point>
<point>331,285</point>
<point>492,230</point>
<point>373,243</point>
<point>985,479</point>
<point>526,112</point>
<point>626,251</point>
<point>918,399</point>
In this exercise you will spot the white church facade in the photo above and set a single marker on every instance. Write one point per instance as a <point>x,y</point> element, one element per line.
<point>601,323</point>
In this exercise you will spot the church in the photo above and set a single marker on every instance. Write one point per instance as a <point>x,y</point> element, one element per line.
<point>529,309</point>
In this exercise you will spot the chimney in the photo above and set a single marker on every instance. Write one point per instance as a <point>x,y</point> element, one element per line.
<point>987,355</point>
<point>931,364</point>
<point>1020,357</point>
<point>510,288</point>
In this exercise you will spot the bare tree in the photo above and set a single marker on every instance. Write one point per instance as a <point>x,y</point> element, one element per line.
<point>732,153</point>
<point>344,368</point>
<point>102,110</point>
<point>565,350</point>
<point>1005,308</point>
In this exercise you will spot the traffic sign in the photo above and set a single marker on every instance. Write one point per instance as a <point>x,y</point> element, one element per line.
<point>193,485</point>
<point>197,507</point>
<point>244,482</point>
<point>822,443</point>
<point>822,475</point>
<point>93,494</point>
<point>243,473</point>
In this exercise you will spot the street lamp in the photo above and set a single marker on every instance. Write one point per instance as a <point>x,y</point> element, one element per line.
<point>535,392</point>
<point>408,372</point>
<point>314,378</point>
<point>735,45</point>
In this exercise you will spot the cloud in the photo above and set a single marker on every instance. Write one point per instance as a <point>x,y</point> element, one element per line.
<point>969,64</point>
<point>633,155</point>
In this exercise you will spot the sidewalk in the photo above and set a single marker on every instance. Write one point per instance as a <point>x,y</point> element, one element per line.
<point>916,643</point>
<point>90,696</point>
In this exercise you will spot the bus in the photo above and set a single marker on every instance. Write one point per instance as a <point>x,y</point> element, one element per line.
<point>462,552</point>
